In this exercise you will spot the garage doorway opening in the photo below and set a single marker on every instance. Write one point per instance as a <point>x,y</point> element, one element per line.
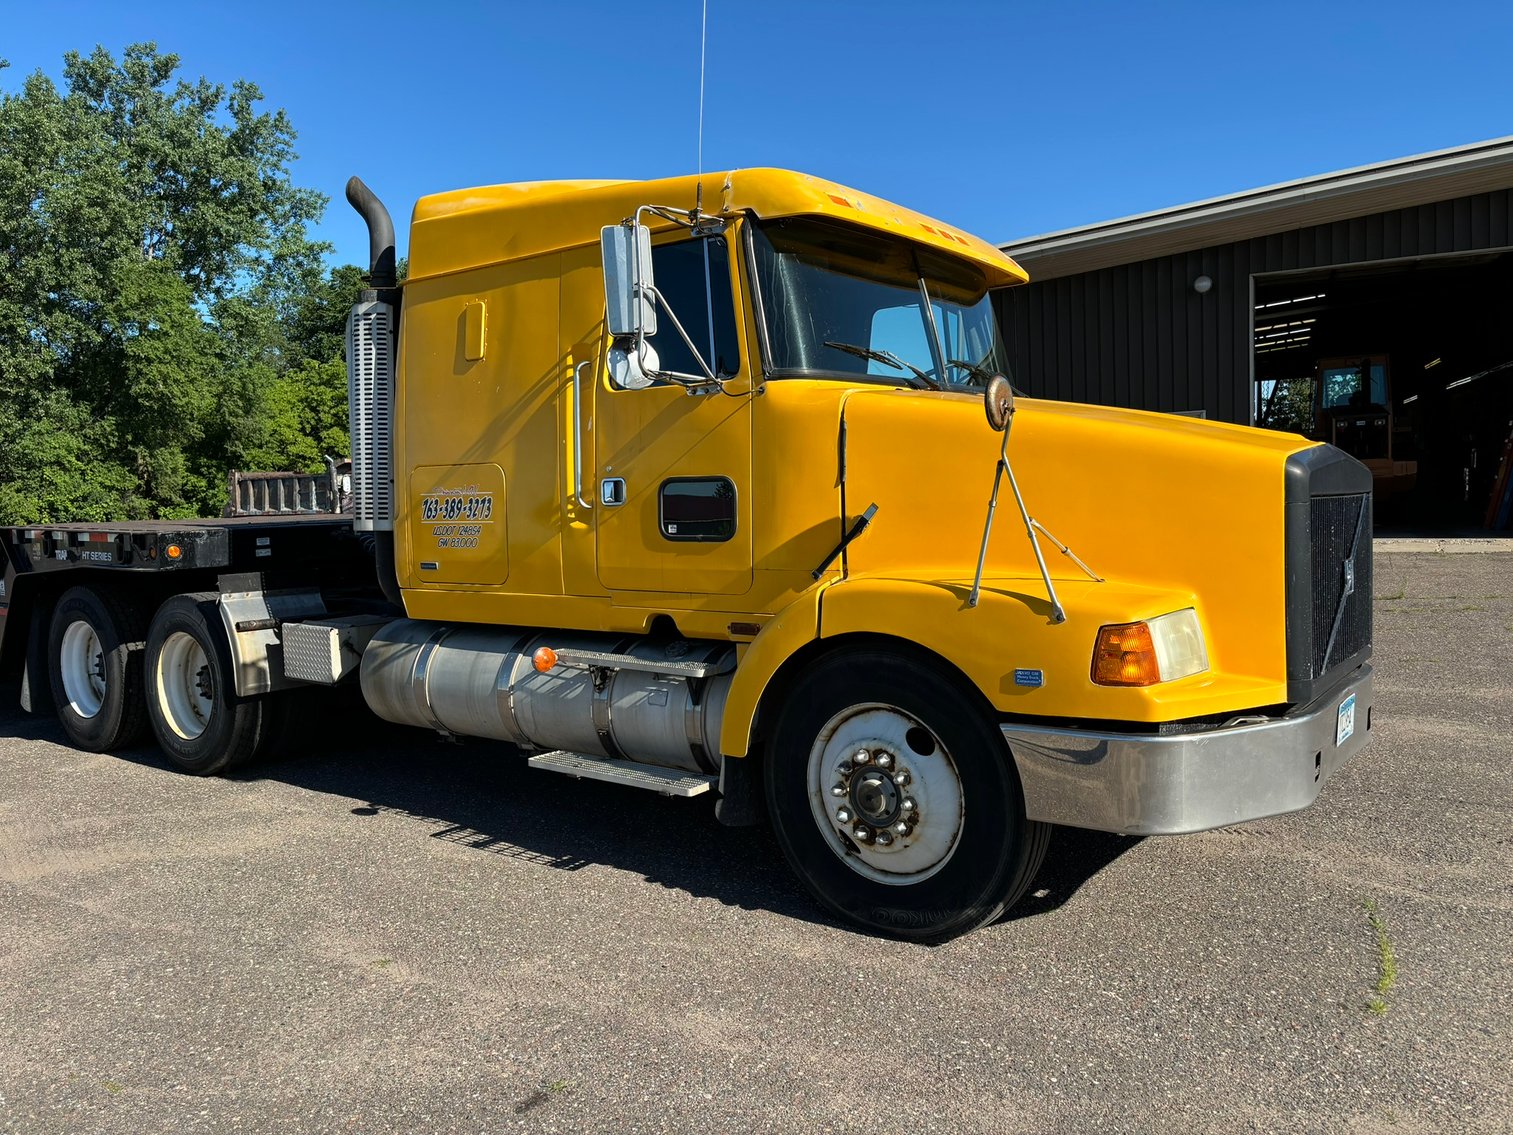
<point>1408,366</point>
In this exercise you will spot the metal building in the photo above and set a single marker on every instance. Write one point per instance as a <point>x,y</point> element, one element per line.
<point>1372,307</point>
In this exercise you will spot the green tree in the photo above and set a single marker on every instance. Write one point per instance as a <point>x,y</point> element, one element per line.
<point>163,312</point>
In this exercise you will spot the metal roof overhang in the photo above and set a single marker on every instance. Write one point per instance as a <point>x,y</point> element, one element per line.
<point>1403,182</point>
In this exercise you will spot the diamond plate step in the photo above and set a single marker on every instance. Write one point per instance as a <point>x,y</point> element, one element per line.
<point>668,781</point>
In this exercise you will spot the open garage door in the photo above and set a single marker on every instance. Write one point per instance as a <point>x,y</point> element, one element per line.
<point>1408,365</point>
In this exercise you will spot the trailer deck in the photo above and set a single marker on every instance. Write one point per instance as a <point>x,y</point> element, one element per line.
<point>40,560</point>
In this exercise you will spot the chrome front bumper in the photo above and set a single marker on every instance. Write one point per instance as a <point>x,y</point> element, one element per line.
<point>1145,784</point>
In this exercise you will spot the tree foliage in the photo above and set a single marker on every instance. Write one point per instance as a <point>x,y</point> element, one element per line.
<point>164,315</point>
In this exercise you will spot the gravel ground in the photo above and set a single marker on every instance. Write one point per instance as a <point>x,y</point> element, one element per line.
<point>401,935</point>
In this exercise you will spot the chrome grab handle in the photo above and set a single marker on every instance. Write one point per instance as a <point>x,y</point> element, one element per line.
<point>578,434</point>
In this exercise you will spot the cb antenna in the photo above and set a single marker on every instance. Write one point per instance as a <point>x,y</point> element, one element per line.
<point>698,192</point>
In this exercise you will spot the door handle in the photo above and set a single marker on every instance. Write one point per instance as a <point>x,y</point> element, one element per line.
<point>578,434</point>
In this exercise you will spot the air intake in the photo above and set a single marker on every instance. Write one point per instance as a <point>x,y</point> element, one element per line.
<point>370,406</point>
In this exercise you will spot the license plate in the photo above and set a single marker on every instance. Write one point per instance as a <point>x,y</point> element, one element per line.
<point>1345,723</point>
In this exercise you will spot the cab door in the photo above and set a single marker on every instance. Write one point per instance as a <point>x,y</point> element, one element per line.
<point>672,510</point>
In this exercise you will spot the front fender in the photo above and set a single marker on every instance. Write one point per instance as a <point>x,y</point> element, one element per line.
<point>794,627</point>
<point>1010,632</point>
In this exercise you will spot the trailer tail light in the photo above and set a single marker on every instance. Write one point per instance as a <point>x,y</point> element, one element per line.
<point>1155,650</point>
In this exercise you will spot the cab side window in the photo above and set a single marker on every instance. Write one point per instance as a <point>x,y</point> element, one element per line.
<point>694,279</point>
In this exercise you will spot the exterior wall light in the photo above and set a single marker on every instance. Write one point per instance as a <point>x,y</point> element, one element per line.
<point>1202,284</point>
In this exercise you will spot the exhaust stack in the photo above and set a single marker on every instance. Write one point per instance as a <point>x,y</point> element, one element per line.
<point>381,273</point>
<point>372,340</point>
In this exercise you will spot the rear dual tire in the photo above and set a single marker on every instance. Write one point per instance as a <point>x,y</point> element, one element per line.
<point>201,724</point>
<point>94,665</point>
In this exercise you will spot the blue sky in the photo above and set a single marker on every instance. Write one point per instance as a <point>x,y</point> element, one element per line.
<point>1007,119</point>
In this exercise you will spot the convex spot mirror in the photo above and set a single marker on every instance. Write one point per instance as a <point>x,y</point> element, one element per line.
<point>628,283</point>
<point>998,401</point>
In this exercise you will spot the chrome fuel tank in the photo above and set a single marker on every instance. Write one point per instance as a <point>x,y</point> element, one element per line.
<point>655,701</point>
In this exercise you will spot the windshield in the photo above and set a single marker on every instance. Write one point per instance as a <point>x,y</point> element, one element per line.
<point>843,303</point>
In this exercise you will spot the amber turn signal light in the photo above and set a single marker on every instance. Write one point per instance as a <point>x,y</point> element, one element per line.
<point>544,659</point>
<point>1125,655</point>
<point>173,551</point>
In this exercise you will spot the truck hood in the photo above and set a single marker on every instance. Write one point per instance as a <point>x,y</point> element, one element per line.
<point>1161,503</point>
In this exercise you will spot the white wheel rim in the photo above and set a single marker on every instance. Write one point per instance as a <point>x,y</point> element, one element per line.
<point>82,663</point>
<point>862,808</point>
<point>183,680</point>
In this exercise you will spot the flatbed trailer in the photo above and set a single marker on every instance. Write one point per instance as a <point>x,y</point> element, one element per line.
<point>147,561</point>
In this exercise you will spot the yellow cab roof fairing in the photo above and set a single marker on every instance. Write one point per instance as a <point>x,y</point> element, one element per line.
<point>465,228</point>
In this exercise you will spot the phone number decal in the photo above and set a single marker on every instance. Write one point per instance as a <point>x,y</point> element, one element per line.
<point>457,507</point>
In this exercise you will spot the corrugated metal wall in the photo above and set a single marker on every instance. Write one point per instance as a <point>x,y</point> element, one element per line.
<point>1138,335</point>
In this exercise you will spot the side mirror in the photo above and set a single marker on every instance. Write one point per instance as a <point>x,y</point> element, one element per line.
<point>998,401</point>
<point>628,280</point>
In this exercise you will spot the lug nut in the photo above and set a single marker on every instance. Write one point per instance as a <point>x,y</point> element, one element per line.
<point>884,839</point>
<point>901,829</point>
<point>884,760</point>
<point>843,815</point>
<point>908,805</point>
<point>838,790</point>
<point>861,757</point>
<point>902,777</point>
<point>862,832</point>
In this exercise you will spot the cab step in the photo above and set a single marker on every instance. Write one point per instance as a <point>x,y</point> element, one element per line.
<point>669,668</point>
<point>667,781</point>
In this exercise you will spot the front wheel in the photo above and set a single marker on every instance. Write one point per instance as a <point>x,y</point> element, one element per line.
<point>895,799</point>
<point>201,724</point>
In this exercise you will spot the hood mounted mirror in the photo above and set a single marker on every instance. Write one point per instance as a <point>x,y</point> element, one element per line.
<point>998,401</point>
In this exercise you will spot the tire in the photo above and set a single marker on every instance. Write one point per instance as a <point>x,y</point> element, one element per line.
<point>927,838</point>
<point>94,668</point>
<point>200,723</point>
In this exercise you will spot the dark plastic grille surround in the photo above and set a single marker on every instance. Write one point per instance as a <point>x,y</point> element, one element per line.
<point>1328,501</point>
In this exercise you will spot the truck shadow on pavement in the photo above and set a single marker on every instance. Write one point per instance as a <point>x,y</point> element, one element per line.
<point>482,796</point>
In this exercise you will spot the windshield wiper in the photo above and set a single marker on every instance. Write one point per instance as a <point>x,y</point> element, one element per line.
<point>887,358</point>
<point>981,373</point>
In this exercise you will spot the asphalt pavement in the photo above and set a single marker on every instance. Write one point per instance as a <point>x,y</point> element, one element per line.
<point>393,934</point>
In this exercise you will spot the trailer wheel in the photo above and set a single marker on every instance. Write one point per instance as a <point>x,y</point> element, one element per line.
<point>94,667</point>
<point>201,724</point>
<point>896,800</point>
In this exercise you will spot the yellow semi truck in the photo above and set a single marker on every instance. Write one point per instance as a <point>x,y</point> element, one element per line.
<point>689,485</point>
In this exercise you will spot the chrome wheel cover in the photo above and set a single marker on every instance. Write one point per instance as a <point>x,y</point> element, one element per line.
<point>885,794</point>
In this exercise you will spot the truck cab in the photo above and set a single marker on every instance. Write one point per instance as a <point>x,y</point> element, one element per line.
<point>757,439</point>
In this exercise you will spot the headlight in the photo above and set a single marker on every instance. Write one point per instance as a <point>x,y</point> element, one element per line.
<point>1155,650</point>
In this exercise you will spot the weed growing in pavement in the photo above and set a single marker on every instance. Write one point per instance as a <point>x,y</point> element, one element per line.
<point>541,1095</point>
<point>1386,960</point>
